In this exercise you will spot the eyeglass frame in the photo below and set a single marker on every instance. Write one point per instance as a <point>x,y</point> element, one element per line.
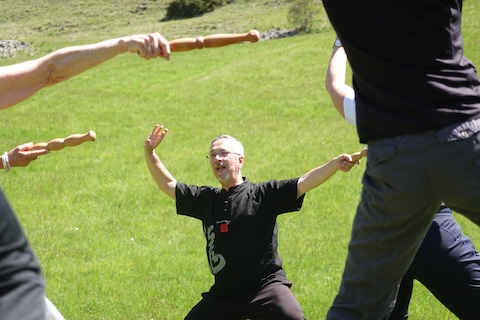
<point>214,155</point>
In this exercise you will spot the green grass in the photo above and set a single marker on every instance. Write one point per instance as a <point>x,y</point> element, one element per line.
<point>109,242</point>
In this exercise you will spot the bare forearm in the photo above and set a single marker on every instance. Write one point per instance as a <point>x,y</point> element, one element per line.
<point>20,81</point>
<point>164,179</point>
<point>66,63</point>
<point>319,175</point>
<point>316,177</point>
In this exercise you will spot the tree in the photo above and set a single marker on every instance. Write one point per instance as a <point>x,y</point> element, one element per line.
<point>301,14</point>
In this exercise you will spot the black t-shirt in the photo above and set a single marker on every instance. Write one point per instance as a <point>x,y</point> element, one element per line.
<point>409,71</point>
<point>241,230</point>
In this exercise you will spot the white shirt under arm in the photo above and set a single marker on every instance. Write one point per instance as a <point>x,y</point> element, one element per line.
<point>349,107</point>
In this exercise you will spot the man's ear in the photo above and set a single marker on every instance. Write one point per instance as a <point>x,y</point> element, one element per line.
<point>241,160</point>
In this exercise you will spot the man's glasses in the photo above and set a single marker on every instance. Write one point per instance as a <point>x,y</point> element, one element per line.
<point>221,154</point>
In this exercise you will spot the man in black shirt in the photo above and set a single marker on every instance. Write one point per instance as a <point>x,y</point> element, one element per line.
<point>239,223</point>
<point>418,109</point>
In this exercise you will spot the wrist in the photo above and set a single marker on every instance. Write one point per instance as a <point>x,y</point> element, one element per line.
<point>121,45</point>
<point>148,149</point>
<point>6,162</point>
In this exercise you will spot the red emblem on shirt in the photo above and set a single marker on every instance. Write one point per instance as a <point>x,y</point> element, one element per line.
<point>224,227</point>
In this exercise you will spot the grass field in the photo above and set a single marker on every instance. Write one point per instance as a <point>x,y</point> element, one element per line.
<point>109,242</point>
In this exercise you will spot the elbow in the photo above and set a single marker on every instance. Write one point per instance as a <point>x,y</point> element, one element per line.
<point>329,87</point>
<point>300,194</point>
<point>336,95</point>
<point>334,88</point>
<point>172,184</point>
<point>54,73</point>
<point>54,77</point>
<point>301,188</point>
<point>171,190</point>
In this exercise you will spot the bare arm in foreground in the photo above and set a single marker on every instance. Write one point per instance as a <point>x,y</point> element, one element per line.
<point>20,81</point>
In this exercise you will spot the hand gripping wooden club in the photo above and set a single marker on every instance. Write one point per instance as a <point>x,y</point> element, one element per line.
<point>359,155</point>
<point>213,41</point>
<point>70,141</point>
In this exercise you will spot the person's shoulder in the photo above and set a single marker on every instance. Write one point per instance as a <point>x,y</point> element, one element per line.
<point>208,189</point>
<point>276,184</point>
<point>196,189</point>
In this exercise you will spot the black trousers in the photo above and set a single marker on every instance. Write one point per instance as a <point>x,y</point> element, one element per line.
<point>274,301</point>
<point>22,286</point>
<point>448,265</point>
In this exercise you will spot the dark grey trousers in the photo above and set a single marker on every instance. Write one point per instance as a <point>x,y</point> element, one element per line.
<point>22,286</point>
<point>406,179</point>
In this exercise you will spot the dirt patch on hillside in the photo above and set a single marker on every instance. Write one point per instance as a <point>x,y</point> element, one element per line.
<point>277,34</point>
<point>9,48</point>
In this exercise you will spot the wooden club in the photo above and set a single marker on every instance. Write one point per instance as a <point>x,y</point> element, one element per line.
<point>70,141</point>
<point>213,41</point>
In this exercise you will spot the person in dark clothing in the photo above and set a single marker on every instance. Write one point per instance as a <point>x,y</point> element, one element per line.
<point>448,264</point>
<point>418,109</point>
<point>240,226</point>
<point>20,274</point>
<point>447,259</point>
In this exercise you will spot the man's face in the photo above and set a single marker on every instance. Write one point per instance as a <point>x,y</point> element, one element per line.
<point>226,163</point>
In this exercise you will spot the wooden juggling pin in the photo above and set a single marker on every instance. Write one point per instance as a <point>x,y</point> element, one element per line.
<point>213,41</point>
<point>70,141</point>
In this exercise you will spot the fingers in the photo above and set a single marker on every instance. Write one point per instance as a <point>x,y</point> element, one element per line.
<point>25,150</point>
<point>21,156</point>
<point>157,135</point>
<point>25,146</point>
<point>162,45</point>
<point>348,158</point>
<point>159,131</point>
<point>36,152</point>
<point>357,156</point>
<point>346,165</point>
<point>346,161</point>
<point>150,46</point>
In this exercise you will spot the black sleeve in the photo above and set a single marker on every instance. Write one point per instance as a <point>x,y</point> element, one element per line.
<point>193,201</point>
<point>281,195</point>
